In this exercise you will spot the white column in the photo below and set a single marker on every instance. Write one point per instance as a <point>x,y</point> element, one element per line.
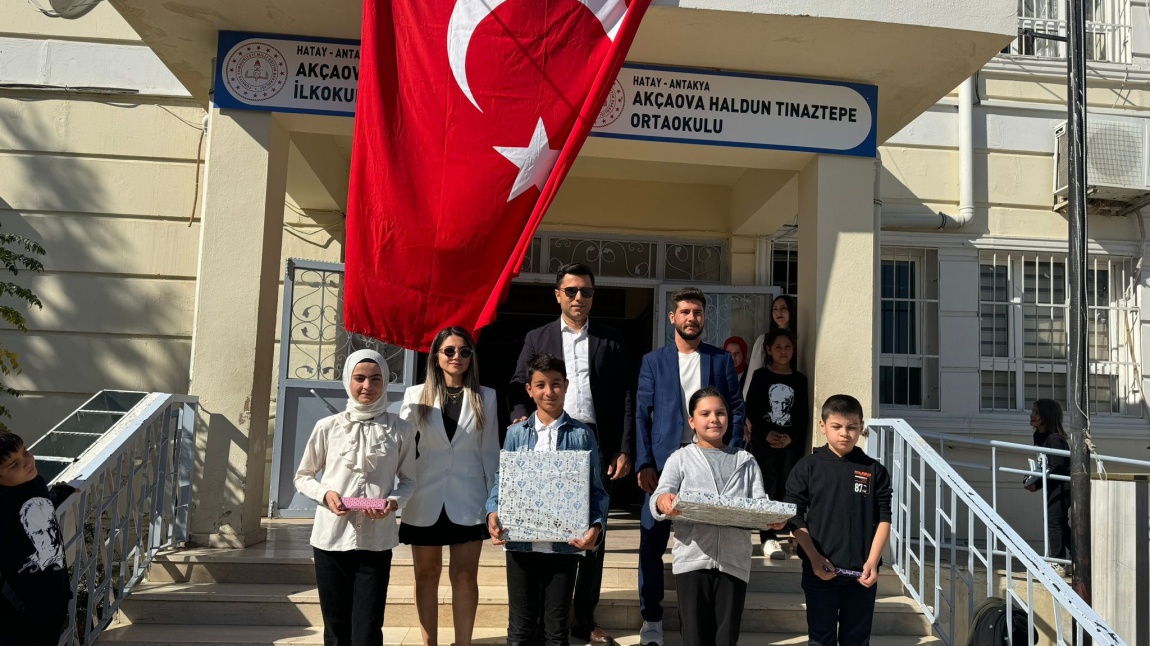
<point>233,339</point>
<point>837,295</point>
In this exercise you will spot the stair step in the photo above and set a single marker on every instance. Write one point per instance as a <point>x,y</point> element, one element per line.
<point>298,605</point>
<point>218,566</point>
<point>181,635</point>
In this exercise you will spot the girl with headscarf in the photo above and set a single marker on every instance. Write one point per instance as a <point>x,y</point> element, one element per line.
<point>361,452</point>
<point>458,454</point>
<point>737,348</point>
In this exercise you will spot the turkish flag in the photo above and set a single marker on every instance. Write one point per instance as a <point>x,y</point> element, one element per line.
<point>469,115</point>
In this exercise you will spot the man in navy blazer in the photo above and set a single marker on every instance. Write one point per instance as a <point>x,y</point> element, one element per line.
<point>601,394</point>
<point>668,378</point>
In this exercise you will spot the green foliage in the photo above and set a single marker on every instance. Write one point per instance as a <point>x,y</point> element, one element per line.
<point>17,253</point>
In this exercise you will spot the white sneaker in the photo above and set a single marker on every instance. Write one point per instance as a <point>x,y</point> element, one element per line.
<point>651,633</point>
<point>1060,570</point>
<point>773,550</point>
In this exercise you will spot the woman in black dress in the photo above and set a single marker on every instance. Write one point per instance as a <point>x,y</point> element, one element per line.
<point>457,455</point>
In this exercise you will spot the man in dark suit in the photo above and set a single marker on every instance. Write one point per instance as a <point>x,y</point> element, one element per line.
<point>667,379</point>
<point>601,395</point>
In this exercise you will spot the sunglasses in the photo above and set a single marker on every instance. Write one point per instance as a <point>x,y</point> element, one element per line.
<point>587,292</point>
<point>464,353</point>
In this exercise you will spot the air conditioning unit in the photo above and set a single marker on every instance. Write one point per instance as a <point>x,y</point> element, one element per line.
<point>1117,171</point>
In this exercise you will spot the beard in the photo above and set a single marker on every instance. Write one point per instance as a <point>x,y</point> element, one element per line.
<point>688,336</point>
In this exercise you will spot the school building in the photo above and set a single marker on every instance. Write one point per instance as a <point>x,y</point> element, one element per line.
<point>903,189</point>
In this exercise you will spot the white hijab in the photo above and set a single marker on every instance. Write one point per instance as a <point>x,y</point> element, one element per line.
<point>365,446</point>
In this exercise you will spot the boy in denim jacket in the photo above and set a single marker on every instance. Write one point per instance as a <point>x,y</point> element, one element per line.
<point>541,575</point>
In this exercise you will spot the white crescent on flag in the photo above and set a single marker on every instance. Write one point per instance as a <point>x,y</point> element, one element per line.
<point>467,14</point>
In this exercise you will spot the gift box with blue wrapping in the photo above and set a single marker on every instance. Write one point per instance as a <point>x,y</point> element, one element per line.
<point>544,495</point>
<point>730,511</point>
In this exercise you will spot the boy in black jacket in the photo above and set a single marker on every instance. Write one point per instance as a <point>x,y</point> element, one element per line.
<point>34,585</point>
<point>843,523</point>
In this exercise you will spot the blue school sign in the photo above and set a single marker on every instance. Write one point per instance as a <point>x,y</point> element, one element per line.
<point>276,73</point>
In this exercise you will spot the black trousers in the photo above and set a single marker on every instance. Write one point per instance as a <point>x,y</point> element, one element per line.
<point>539,587</point>
<point>590,579</point>
<point>839,612</point>
<point>710,607</point>
<point>352,595</point>
<point>1058,519</point>
<point>38,629</point>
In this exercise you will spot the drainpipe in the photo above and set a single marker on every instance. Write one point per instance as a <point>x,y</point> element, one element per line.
<point>965,214</point>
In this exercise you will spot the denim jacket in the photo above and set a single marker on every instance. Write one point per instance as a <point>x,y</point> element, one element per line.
<point>573,435</point>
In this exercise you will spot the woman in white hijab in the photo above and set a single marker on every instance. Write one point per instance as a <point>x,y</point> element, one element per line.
<point>361,452</point>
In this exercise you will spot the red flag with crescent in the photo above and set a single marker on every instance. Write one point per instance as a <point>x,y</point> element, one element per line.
<point>469,115</point>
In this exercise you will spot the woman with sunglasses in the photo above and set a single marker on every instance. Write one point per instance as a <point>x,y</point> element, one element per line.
<point>457,455</point>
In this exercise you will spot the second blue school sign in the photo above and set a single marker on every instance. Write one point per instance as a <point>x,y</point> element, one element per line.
<point>682,105</point>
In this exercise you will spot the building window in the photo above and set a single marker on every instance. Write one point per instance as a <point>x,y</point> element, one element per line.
<point>1107,30</point>
<point>1024,343</point>
<point>908,359</point>
<point>785,266</point>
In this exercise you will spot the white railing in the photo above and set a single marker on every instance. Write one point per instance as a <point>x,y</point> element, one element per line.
<point>951,550</point>
<point>134,486</point>
<point>1005,465</point>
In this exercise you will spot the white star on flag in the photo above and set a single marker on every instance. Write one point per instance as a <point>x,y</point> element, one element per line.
<point>535,161</point>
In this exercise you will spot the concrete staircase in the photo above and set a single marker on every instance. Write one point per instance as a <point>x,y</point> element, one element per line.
<point>267,595</point>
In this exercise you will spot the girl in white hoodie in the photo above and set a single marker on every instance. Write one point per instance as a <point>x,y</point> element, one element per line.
<point>711,563</point>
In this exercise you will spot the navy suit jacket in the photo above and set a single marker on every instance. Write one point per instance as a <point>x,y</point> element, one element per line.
<point>659,407</point>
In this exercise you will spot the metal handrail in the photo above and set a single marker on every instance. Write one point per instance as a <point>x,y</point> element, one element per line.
<point>132,500</point>
<point>939,576</point>
<point>944,441</point>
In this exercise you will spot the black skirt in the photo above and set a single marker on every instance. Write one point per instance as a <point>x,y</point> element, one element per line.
<point>443,532</point>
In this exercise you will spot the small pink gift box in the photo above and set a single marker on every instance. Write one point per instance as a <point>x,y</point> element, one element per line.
<point>360,504</point>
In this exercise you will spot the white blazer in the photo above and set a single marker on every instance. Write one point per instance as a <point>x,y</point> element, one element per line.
<point>458,474</point>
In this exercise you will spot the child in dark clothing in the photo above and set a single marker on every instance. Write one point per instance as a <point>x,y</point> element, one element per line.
<point>34,584</point>
<point>844,511</point>
<point>778,410</point>
<point>1046,419</point>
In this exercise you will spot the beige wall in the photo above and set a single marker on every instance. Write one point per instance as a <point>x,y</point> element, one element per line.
<point>106,184</point>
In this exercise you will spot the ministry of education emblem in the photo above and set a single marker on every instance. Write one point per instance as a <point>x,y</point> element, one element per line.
<point>255,71</point>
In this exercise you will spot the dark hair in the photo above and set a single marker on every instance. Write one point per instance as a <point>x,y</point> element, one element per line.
<point>365,361</point>
<point>790,301</point>
<point>844,405</point>
<point>703,393</point>
<point>546,363</point>
<point>689,294</point>
<point>775,334</point>
<point>1050,412</point>
<point>434,385</point>
<point>573,269</point>
<point>9,444</point>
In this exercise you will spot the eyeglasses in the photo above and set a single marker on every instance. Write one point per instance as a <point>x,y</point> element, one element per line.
<point>464,353</point>
<point>587,292</point>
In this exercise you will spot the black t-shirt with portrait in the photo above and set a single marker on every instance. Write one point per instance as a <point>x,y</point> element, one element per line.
<point>33,572</point>
<point>780,403</point>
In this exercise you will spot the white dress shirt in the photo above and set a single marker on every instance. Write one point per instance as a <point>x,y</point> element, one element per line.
<point>358,460</point>
<point>690,379</point>
<point>546,439</point>
<point>577,356</point>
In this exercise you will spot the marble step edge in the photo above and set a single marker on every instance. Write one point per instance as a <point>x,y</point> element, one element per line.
<point>488,595</point>
<point>172,635</point>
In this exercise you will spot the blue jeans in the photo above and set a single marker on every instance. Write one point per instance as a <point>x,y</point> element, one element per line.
<point>653,538</point>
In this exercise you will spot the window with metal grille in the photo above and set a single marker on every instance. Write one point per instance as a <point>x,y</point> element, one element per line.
<point>1024,343</point>
<point>908,356</point>
<point>1107,30</point>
